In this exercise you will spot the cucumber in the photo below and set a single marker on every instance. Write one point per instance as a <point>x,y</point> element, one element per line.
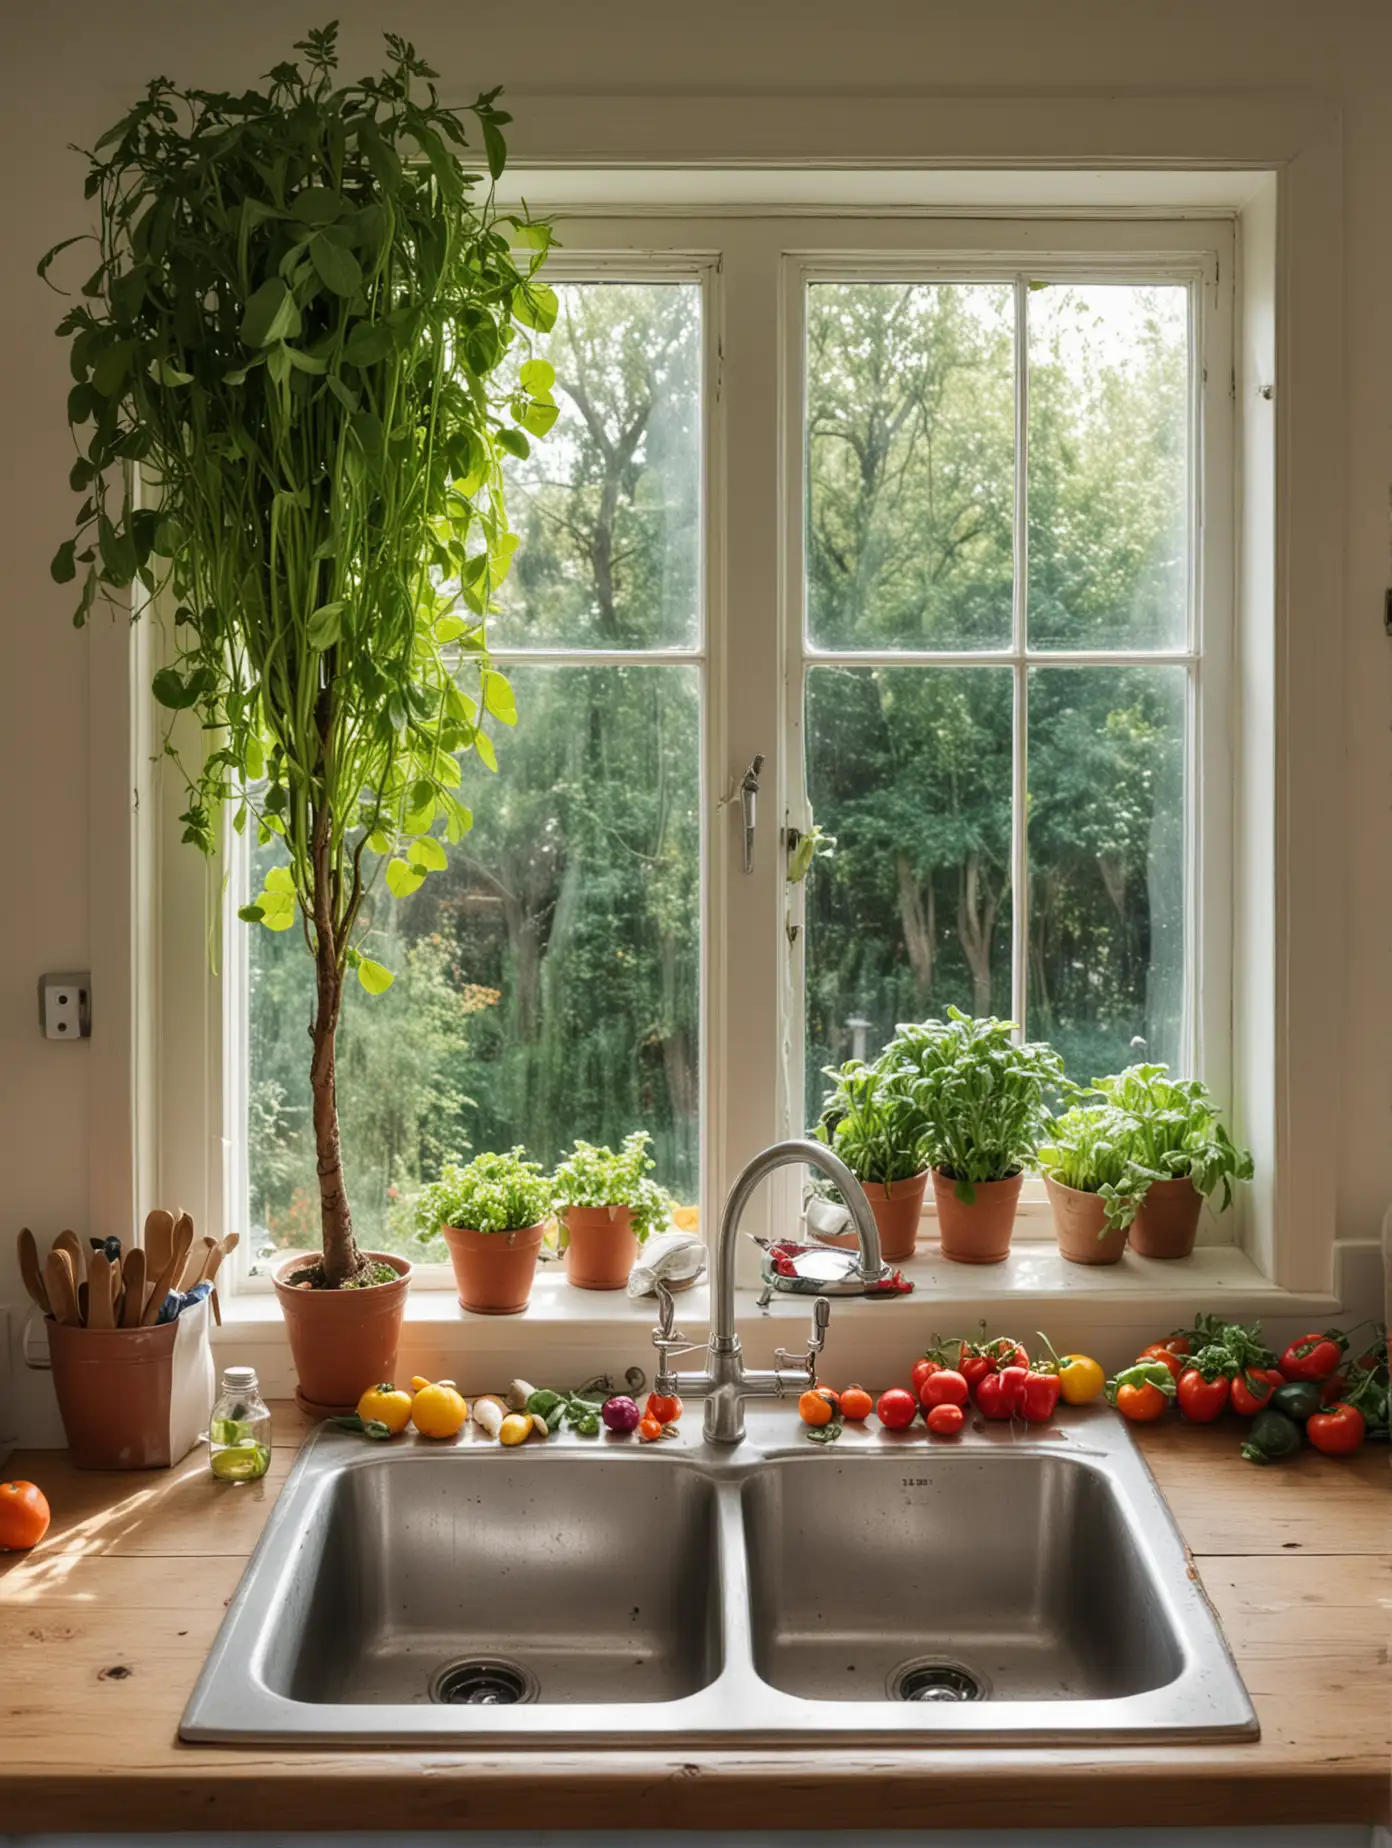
<point>1271,1437</point>
<point>1299,1400</point>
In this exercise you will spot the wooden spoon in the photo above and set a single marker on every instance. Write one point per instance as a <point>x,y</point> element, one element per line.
<point>201,1251</point>
<point>133,1276</point>
<point>99,1304</point>
<point>77,1255</point>
<point>159,1235</point>
<point>164,1283</point>
<point>58,1281</point>
<point>30,1270</point>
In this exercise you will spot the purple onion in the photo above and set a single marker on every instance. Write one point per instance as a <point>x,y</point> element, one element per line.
<point>620,1414</point>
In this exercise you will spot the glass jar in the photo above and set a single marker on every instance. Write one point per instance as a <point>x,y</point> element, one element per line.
<point>239,1433</point>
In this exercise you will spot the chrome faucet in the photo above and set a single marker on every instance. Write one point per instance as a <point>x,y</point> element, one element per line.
<point>727,1382</point>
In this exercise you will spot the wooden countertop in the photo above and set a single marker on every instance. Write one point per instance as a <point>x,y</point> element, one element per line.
<point>104,1627</point>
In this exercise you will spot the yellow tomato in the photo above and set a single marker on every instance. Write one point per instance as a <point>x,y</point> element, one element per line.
<point>388,1404</point>
<point>1080,1379</point>
<point>438,1409</point>
<point>516,1428</point>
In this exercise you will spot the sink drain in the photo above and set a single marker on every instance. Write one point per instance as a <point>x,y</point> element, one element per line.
<point>933,1678</point>
<point>484,1681</point>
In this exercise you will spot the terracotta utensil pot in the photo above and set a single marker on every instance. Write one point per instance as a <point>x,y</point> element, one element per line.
<point>493,1271</point>
<point>342,1341</point>
<point>1080,1225</point>
<point>1167,1225</point>
<point>980,1233</point>
<point>603,1246</point>
<point>113,1388</point>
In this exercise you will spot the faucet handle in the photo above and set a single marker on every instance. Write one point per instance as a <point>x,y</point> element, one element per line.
<point>816,1340</point>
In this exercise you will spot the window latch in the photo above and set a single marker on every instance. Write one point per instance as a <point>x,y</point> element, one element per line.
<point>749,795</point>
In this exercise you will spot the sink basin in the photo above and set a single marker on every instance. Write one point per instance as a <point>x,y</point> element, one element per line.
<point>1018,1586</point>
<point>956,1576</point>
<point>549,1580</point>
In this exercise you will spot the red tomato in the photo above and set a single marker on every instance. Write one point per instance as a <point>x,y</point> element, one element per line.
<point>1312,1357</point>
<point>856,1404</point>
<point>1178,1344</point>
<point>922,1370</point>
<point>1201,1400</point>
<point>1141,1404</point>
<point>974,1368</point>
<point>999,1394</point>
<point>897,1408</point>
<point>1039,1396</point>
<point>945,1420</point>
<point>1334,1388</point>
<point>1253,1387</point>
<point>944,1387</point>
<point>1158,1350</point>
<point>24,1516</point>
<point>1337,1432</point>
<point>666,1408</point>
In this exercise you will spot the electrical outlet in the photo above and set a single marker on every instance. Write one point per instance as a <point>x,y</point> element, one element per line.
<point>65,1006</point>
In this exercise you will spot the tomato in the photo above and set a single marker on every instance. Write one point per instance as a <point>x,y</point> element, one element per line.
<point>856,1404</point>
<point>1312,1357</point>
<point>814,1408</point>
<point>974,1368</point>
<point>1337,1432</point>
<point>666,1408</point>
<point>1165,1355</point>
<point>1039,1396</point>
<point>1141,1404</point>
<point>945,1420</point>
<point>1334,1388</point>
<point>386,1404</point>
<point>437,1410</point>
<point>1081,1379</point>
<point>945,1387</point>
<point>1007,1352</point>
<point>1253,1387</point>
<point>649,1430</point>
<point>24,1516</point>
<point>922,1370</point>
<point>999,1394</point>
<point>1178,1344</point>
<point>897,1409</point>
<point>1201,1400</point>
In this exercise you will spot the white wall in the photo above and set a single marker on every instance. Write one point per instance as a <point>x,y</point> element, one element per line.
<point>73,65</point>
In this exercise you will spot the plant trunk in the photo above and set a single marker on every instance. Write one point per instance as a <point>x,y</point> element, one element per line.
<point>920,929</point>
<point>342,1259</point>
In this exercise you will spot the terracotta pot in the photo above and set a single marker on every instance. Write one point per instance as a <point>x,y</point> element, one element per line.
<point>117,1391</point>
<point>897,1206</point>
<point>602,1248</point>
<point>980,1233</point>
<point>1167,1225</point>
<point>1080,1221</point>
<point>493,1271</point>
<point>342,1341</point>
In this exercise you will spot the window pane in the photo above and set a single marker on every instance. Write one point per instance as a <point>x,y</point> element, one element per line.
<point>608,504</point>
<point>1106,854</point>
<point>910,464</point>
<point>910,769</point>
<point>1108,466</point>
<point>547,983</point>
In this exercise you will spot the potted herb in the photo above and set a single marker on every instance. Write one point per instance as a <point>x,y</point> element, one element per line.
<point>1088,1179</point>
<point>296,325</point>
<point>873,1122</point>
<point>492,1216</point>
<point>982,1097</point>
<point>1178,1155</point>
<point>609,1205</point>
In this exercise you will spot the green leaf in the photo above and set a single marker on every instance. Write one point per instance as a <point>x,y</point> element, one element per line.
<point>270,315</point>
<point>427,853</point>
<point>498,698</point>
<point>368,343</point>
<point>345,394</point>
<point>280,879</point>
<point>170,689</point>
<point>483,744</point>
<point>316,205</point>
<point>402,879</point>
<point>537,377</point>
<point>250,914</point>
<point>539,417</point>
<point>534,305</point>
<point>325,626</point>
<point>338,269</point>
<point>514,442</point>
<point>494,146</point>
<point>64,567</point>
<point>165,372</point>
<point>374,978</point>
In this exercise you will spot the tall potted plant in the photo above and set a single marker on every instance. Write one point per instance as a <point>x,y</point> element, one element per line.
<point>982,1095</point>
<point>872,1120</point>
<point>296,330</point>
<point>609,1205</point>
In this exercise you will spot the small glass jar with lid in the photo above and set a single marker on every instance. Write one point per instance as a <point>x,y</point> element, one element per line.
<point>239,1434</point>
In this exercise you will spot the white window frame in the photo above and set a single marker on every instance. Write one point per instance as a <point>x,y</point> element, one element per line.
<point>1273,166</point>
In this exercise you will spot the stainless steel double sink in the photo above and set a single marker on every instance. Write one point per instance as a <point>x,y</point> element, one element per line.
<point>1019,1587</point>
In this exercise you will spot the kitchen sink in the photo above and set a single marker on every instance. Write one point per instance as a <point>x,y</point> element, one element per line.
<point>1019,1586</point>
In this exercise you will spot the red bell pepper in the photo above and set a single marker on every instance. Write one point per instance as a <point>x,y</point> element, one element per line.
<point>1201,1400</point>
<point>1314,1356</point>
<point>999,1395</point>
<point>1039,1396</point>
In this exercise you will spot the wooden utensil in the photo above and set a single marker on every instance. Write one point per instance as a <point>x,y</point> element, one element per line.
<point>202,1250</point>
<point>159,1235</point>
<point>77,1255</point>
<point>133,1277</point>
<point>31,1271</point>
<point>58,1282</point>
<point>100,1312</point>
<point>164,1283</point>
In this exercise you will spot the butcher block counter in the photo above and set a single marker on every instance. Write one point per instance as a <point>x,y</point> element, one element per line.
<point>105,1625</point>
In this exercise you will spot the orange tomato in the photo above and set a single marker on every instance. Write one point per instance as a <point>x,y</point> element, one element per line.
<point>1142,1404</point>
<point>649,1429</point>
<point>666,1408</point>
<point>24,1516</point>
<point>1165,1355</point>
<point>815,1408</point>
<point>856,1404</point>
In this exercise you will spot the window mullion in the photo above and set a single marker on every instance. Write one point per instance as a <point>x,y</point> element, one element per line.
<point>1019,770</point>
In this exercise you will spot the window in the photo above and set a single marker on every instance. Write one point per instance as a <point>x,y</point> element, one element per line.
<point>933,516</point>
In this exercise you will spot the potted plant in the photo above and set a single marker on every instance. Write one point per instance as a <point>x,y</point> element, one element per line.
<point>982,1097</point>
<point>608,1204</point>
<point>1178,1155</point>
<point>295,327</point>
<point>492,1216</point>
<point>1086,1166</point>
<point>873,1122</point>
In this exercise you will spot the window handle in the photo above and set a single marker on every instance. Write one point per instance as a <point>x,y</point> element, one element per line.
<point>749,794</point>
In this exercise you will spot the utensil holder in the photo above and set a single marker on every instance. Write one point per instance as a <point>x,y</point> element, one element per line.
<point>133,1398</point>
